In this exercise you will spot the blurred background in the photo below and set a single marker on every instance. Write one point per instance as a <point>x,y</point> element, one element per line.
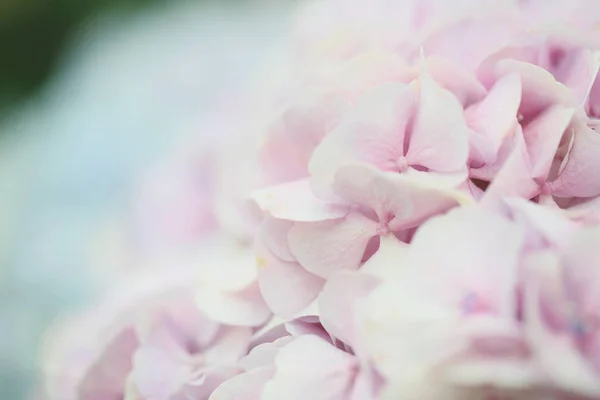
<point>92,93</point>
<point>33,33</point>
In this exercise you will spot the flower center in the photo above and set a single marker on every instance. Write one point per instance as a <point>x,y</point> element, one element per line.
<point>402,164</point>
<point>382,228</point>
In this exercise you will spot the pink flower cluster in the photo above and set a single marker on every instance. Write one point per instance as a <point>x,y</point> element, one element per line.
<point>421,220</point>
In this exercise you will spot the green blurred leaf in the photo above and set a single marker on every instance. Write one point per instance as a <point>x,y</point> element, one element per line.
<point>32,34</point>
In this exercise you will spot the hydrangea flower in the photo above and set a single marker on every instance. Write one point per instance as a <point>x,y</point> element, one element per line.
<point>423,204</point>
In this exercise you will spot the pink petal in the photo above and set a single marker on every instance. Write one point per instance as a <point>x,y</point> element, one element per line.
<point>159,374</point>
<point>269,332</point>
<point>107,376</point>
<point>295,201</point>
<point>451,77</point>
<point>176,324</point>
<point>230,345</point>
<point>440,136</point>
<point>364,387</point>
<point>593,105</point>
<point>430,194</point>
<point>338,299</point>
<point>579,176</point>
<point>543,136</point>
<point>469,41</point>
<point>564,365</point>
<point>582,277</point>
<point>549,225</point>
<point>274,235</point>
<point>449,267</point>
<point>131,391</point>
<point>310,368</point>
<point>482,148</point>
<point>236,266</point>
<point>308,326</point>
<point>495,116</point>
<point>210,378</point>
<point>388,261</point>
<point>264,355</point>
<point>367,186</point>
<point>373,133</point>
<point>325,247</point>
<point>286,287</point>
<point>404,200</point>
<point>587,212</point>
<point>295,134</point>
<point>514,178</point>
<point>245,307</point>
<point>579,72</point>
<point>401,309</point>
<point>367,70</point>
<point>246,386</point>
<point>540,88</point>
<point>481,151</point>
<point>487,71</point>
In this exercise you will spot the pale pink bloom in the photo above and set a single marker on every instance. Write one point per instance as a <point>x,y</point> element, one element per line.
<point>542,60</point>
<point>309,239</point>
<point>78,349</point>
<point>383,175</point>
<point>311,114</point>
<point>526,167</point>
<point>556,162</point>
<point>151,339</point>
<point>572,64</point>
<point>378,132</point>
<point>184,353</point>
<point>541,155</point>
<point>459,314</point>
<point>386,280</point>
<point>452,298</point>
